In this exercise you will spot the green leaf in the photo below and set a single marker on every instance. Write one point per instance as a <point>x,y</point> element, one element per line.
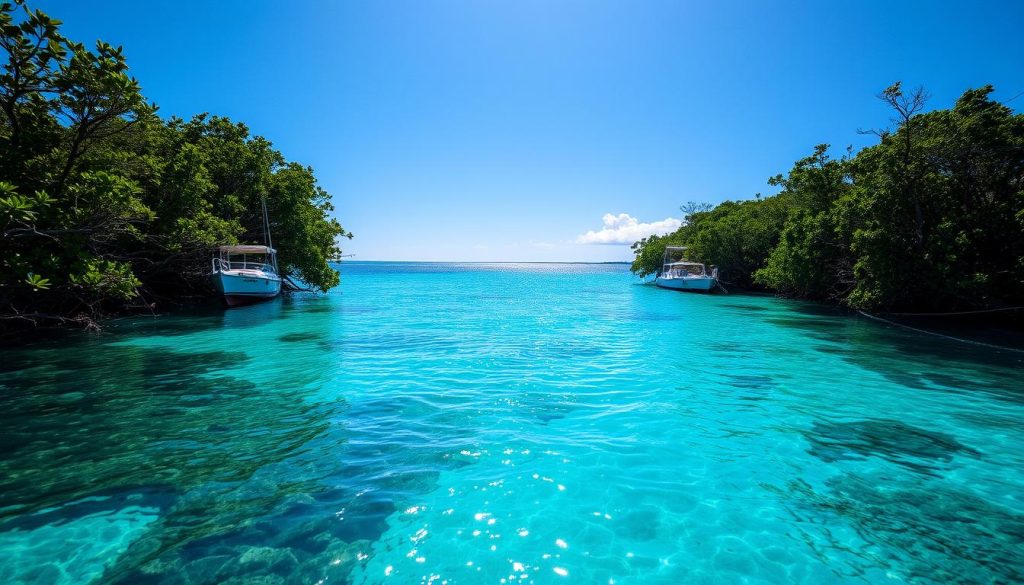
<point>37,282</point>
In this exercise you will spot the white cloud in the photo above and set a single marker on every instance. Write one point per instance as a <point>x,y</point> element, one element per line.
<point>626,229</point>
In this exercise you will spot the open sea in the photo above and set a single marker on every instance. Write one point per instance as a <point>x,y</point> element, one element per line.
<point>507,424</point>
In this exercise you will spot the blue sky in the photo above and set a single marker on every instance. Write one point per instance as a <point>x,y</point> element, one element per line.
<point>506,131</point>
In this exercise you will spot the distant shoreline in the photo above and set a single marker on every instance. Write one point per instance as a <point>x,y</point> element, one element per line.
<point>626,263</point>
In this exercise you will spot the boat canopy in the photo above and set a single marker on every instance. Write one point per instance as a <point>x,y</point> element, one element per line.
<point>675,255</point>
<point>247,250</point>
<point>675,264</point>
<point>682,269</point>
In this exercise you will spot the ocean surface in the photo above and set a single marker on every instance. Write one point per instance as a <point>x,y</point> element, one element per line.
<point>510,424</point>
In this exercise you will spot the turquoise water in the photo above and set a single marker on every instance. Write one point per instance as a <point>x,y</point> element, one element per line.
<point>430,423</point>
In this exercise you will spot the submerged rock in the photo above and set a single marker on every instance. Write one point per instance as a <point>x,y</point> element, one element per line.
<point>265,557</point>
<point>893,440</point>
<point>932,532</point>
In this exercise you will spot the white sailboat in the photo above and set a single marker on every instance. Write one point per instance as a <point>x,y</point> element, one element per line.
<point>679,274</point>
<point>247,274</point>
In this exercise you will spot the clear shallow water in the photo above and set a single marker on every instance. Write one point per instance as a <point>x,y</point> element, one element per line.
<point>432,423</point>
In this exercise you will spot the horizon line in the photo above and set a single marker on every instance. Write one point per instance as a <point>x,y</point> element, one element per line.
<point>485,261</point>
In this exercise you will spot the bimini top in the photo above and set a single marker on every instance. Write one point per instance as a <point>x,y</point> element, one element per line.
<point>247,250</point>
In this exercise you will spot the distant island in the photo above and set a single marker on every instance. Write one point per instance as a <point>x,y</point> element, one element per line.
<point>929,219</point>
<point>105,207</point>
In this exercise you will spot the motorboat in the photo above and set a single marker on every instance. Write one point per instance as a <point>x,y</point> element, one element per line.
<point>246,274</point>
<point>677,273</point>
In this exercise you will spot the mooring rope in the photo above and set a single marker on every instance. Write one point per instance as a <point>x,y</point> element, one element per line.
<point>288,280</point>
<point>957,312</point>
<point>925,331</point>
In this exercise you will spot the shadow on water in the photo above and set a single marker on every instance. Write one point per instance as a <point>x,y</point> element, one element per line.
<point>750,381</point>
<point>199,317</point>
<point>257,314</point>
<point>935,533</point>
<point>828,330</point>
<point>822,322</point>
<point>934,362</point>
<point>731,350</point>
<point>927,363</point>
<point>301,337</point>
<point>912,447</point>
<point>747,310</point>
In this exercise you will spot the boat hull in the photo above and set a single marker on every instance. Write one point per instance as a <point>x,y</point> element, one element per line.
<point>246,288</point>
<point>687,284</point>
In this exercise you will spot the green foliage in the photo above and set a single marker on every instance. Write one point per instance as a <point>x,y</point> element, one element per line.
<point>931,218</point>
<point>736,236</point>
<point>37,282</point>
<point>104,204</point>
<point>17,208</point>
<point>810,258</point>
<point>299,207</point>
<point>650,251</point>
<point>942,198</point>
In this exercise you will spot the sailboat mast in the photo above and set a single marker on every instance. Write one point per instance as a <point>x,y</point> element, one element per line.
<point>266,231</point>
